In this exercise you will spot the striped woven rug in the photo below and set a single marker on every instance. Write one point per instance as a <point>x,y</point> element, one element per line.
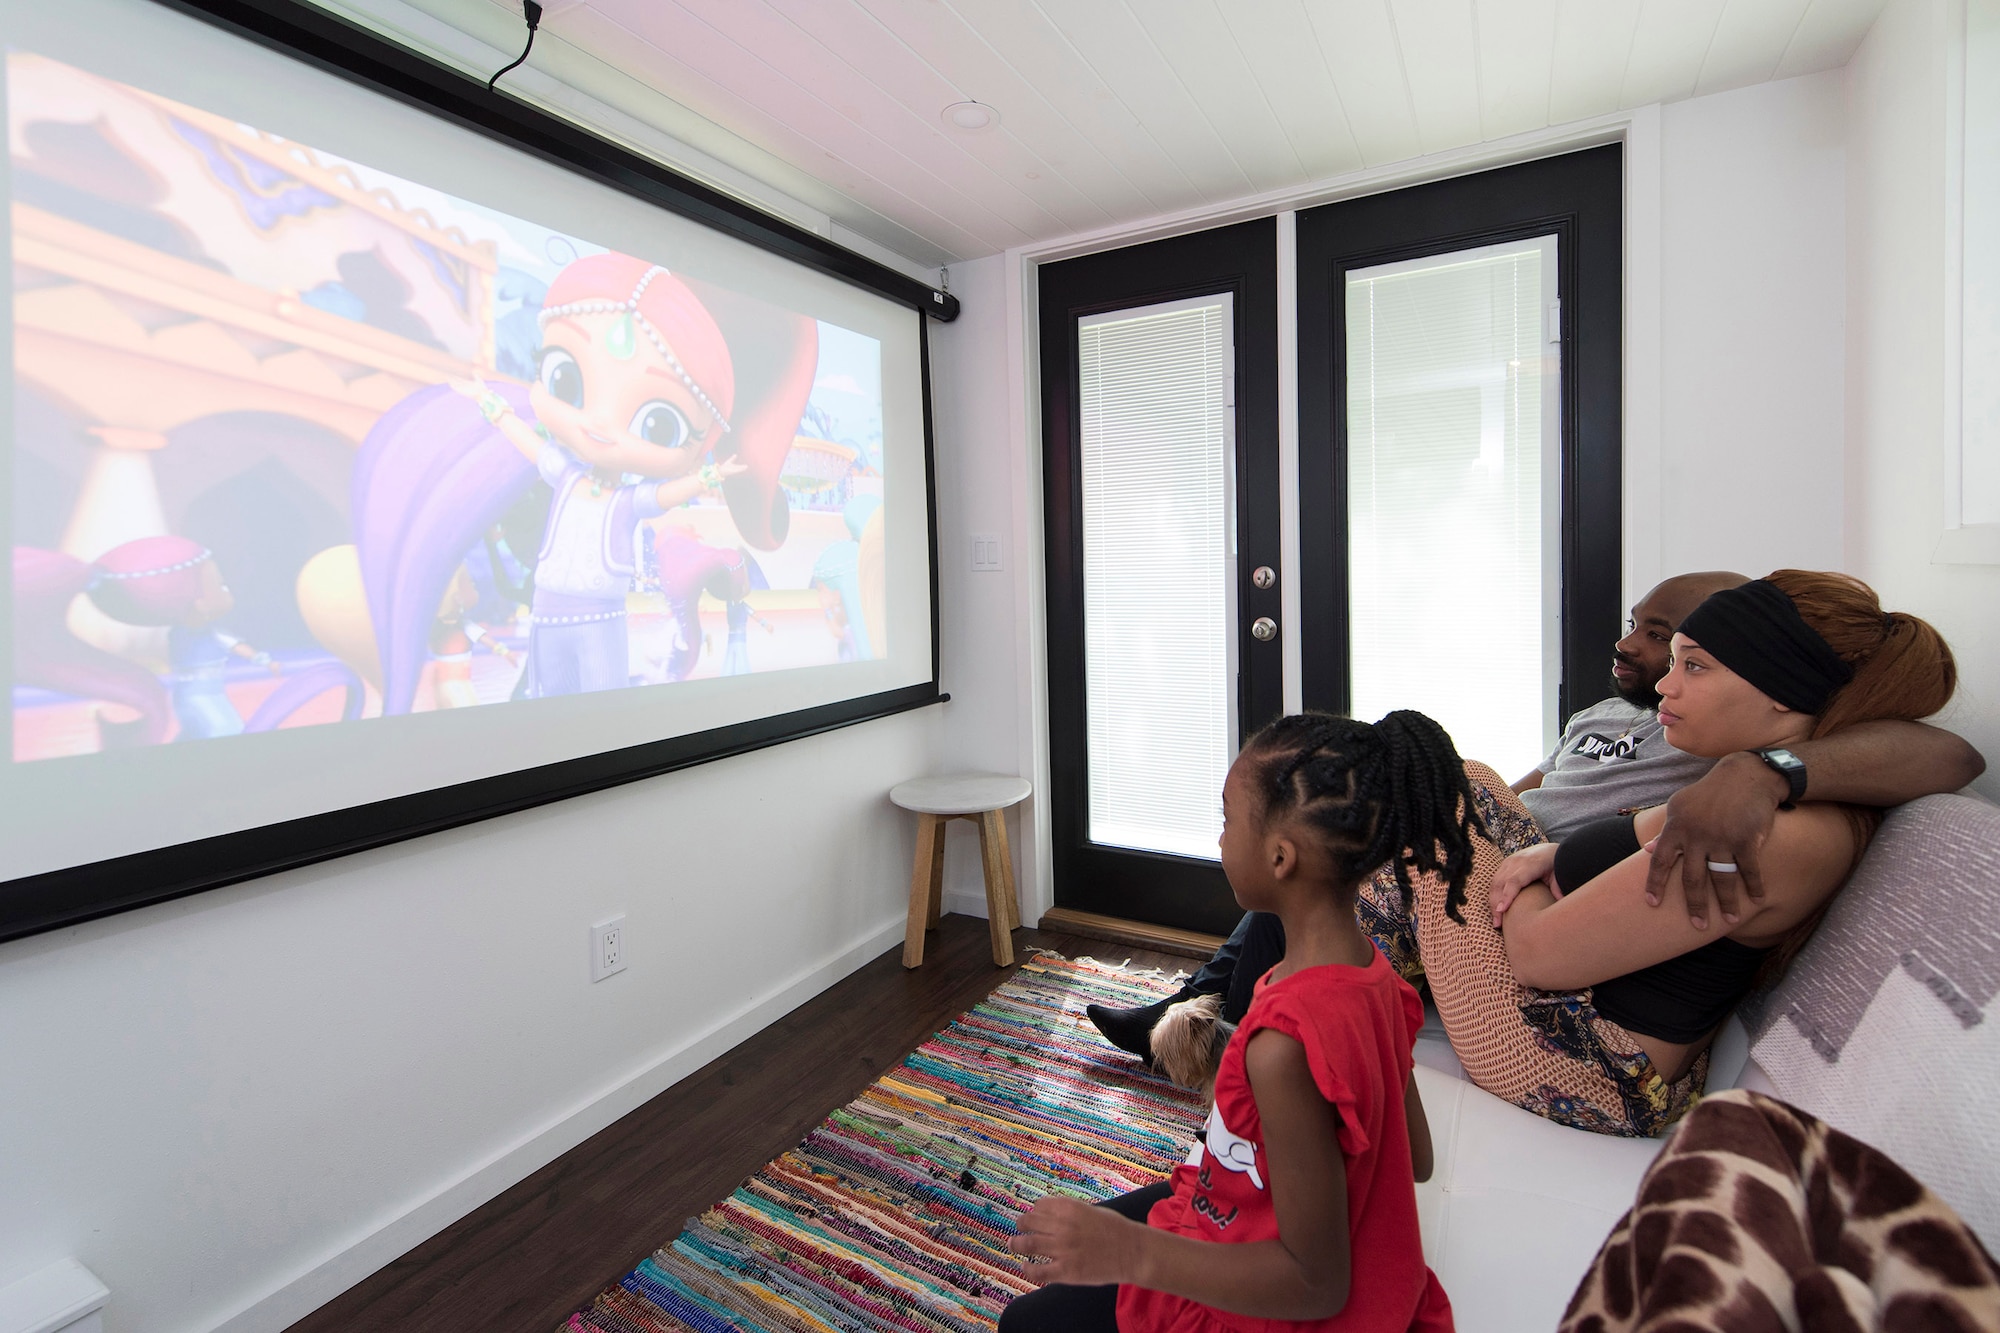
<point>895,1212</point>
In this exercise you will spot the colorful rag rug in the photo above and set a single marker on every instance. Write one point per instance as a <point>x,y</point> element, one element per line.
<point>895,1213</point>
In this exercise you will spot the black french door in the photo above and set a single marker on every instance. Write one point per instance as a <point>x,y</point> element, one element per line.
<point>1160,416</point>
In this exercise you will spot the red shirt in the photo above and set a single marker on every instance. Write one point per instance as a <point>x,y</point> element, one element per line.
<point>1358,1026</point>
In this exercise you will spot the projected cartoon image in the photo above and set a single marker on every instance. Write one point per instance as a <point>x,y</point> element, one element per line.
<point>297,442</point>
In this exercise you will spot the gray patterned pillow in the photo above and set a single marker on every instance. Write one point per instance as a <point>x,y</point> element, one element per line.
<point>1880,1027</point>
<point>1926,898</point>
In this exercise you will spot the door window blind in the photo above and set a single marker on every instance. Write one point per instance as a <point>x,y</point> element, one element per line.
<point>1452,469</point>
<point>1158,564</point>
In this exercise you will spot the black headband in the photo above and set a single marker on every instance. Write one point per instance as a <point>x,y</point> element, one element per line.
<point>1758,633</point>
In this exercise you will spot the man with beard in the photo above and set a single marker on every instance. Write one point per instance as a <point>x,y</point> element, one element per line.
<point>1614,756</point>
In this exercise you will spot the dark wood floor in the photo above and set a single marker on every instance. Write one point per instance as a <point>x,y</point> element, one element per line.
<point>542,1249</point>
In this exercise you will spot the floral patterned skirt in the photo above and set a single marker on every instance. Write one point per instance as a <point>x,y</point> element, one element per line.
<point>1549,1052</point>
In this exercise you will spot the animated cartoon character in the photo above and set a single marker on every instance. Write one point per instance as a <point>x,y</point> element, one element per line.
<point>453,637</point>
<point>1229,1149</point>
<point>614,399</point>
<point>637,385</point>
<point>737,615</point>
<point>47,656</point>
<point>175,582</point>
<point>840,576</point>
<point>836,577</point>
<point>161,581</point>
<point>689,568</point>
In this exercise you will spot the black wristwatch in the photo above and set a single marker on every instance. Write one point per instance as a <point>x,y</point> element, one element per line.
<point>1794,770</point>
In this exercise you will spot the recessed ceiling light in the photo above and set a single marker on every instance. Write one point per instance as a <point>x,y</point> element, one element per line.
<point>971,117</point>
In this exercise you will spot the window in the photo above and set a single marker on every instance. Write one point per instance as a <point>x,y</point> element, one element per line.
<point>1452,464</point>
<point>1158,571</point>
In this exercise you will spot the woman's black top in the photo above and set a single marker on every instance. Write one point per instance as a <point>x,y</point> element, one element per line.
<point>1680,1000</point>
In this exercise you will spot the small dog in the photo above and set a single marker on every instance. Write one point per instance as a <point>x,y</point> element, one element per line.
<point>1188,1041</point>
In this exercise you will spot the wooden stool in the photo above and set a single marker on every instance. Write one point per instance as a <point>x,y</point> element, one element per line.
<point>979,797</point>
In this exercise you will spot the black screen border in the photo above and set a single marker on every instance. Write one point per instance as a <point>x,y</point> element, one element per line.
<point>298,30</point>
<point>33,904</point>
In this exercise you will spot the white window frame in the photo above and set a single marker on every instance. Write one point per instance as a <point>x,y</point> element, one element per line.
<point>1962,542</point>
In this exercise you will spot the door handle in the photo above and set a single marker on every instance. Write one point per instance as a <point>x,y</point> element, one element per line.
<point>1263,629</point>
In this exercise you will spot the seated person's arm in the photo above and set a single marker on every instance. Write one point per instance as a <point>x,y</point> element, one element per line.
<point>1726,816</point>
<point>1604,929</point>
<point>1884,763</point>
<point>1529,783</point>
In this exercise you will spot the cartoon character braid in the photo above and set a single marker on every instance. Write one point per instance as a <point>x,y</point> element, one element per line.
<point>1395,790</point>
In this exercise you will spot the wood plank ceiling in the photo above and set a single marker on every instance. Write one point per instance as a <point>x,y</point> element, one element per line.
<point>1110,111</point>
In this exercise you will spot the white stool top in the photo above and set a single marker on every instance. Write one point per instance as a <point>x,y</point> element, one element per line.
<point>960,793</point>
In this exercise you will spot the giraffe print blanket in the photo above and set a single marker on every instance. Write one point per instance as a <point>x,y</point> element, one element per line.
<point>1758,1217</point>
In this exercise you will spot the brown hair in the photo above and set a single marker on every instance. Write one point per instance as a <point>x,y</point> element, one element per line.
<point>1903,670</point>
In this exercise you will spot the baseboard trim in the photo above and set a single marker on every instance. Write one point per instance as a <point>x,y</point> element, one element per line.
<point>301,1295</point>
<point>964,902</point>
<point>1139,934</point>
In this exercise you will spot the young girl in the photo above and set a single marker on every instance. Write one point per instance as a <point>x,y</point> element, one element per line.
<point>1296,1209</point>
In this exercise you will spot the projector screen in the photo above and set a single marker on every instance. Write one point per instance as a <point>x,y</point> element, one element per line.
<point>367,474</point>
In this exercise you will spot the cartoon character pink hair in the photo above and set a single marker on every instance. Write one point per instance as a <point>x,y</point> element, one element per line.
<point>694,325</point>
<point>150,581</point>
<point>48,656</point>
<point>671,319</point>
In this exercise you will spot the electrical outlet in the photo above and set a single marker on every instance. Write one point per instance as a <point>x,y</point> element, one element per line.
<point>986,554</point>
<point>607,948</point>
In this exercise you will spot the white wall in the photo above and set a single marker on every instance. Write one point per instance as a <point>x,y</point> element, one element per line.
<point>1896,348</point>
<point>1752,256</point>
<point>262,1093</point>
<point>982,481</point>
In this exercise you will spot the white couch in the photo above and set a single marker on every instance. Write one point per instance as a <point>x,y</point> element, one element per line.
<point>1877,1029</point>
<point>1516,1205</point>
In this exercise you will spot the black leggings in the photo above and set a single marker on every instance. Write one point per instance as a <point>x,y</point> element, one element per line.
<point>1252,949</point>
<point>1061,1308</point>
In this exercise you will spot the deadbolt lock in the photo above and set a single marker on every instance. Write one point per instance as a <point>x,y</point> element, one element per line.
<point>1264,576</point>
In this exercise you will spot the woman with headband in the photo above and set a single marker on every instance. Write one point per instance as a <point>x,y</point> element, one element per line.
<point>1561,989</point>
<point>1568,994</point>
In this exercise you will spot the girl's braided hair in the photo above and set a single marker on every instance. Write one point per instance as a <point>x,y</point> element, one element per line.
<point>1395,789</point>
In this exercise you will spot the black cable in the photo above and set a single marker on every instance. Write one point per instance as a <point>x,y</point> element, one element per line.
<point>531,10</point>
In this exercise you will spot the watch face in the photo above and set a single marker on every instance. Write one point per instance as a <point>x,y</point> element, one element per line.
<point>1794,769</point>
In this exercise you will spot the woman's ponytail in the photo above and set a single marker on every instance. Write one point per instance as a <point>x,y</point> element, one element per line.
<point>1903,668</point>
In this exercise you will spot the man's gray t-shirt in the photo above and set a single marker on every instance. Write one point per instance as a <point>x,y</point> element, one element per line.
<point>1613,756</point>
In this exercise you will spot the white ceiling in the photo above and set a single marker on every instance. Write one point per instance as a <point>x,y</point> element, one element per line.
<point>1117,110</point>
